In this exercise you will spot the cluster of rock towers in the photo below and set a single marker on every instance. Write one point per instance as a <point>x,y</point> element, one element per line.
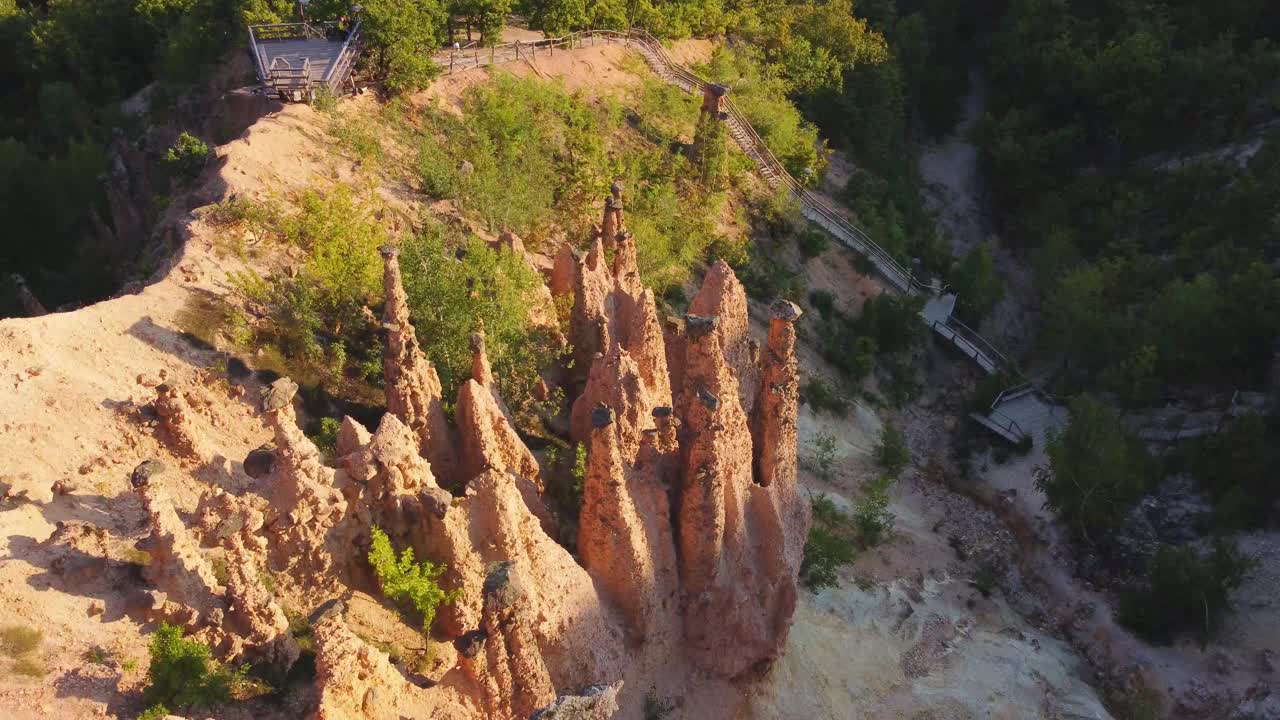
<point>690,533</point>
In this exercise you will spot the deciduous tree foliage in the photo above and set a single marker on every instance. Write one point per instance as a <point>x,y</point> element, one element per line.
<point>1095,471</point>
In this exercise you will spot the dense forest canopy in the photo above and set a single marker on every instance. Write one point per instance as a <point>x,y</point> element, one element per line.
<point>1140,258</point>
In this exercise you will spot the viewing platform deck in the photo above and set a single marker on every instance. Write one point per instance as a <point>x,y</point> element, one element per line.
<point>296,59</point>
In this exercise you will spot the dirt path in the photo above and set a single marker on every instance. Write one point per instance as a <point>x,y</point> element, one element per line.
<point>954,192</point>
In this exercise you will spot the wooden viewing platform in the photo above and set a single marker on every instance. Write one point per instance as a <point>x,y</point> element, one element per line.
<point>296,59</point>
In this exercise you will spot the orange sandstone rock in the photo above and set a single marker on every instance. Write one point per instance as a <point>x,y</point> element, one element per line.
<point>178,427</point>
<point>310,533</point>
<point>511,671</point>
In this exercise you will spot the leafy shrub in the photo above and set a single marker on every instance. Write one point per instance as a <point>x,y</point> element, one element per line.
<point>357,135</point>
<point>656,708</point>
<point>187,156</point>
<point>566,473</point>
<point>891,451</point>
<point>988,389</point>
<point>1236,468</point>
<point>822,456</point>
<point>316,319</point>
<point>824,302</point>
<point>182,675</point>
<point>1184,593</point>
<point>812,243</point>
<point>854,355</point>
<point>894,321</point>
<point>761,97</point>
<point>155,712</point>
<point>820,395</point>
<point>537,155</point>
<point>828,547</point>
<point>403,579</point>
<point>871,515</point>
<point>765,279</point>
<point>326,437</point>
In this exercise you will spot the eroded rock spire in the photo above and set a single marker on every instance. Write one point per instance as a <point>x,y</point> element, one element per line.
<point>311,534</point>
<point>412,386</point>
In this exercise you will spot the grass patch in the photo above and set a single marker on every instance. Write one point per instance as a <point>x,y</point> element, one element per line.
<point>98,655</point>
<point>16,640</point>
<point>29,667</point>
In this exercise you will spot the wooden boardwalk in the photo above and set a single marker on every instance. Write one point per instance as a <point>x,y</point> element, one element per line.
<point>319,54</point>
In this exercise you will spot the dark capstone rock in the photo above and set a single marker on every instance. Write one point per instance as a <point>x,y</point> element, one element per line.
<point>331,608</point>
<point>259,463</point>
<point>662,411</point>
<point>279,394</point>
<point>389,251</point>
<point>471,643</point>
<point>711,401</point>
<point>601,416</point>
<point>436,502</point>
<point>237,369</point>
<point>477,342</point>
<point>786,310</point>
<point>595,702</point>
<point>616,188</point>
<point>146,470</point>
<point>503,586</point>
<point>230,526</point>
<point>698,325</point>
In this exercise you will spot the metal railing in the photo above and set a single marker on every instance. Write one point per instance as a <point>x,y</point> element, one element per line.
<point>341,67</point>
<point>335,74</point>
<point>285,76</point>
<point>1000,420</point>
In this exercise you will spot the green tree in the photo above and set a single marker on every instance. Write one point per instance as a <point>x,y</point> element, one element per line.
<point>871,515</point>
<point>607,14</point>
<point>1078,324</point>
<point>709,152</point>
<point>1096,472</point>
<point>453,298</point>
<point>560,17</point>
<point>891,450</point>
<point>828,547</point>
<point>401,35</point>
<point>977,285</point>
<point>1183,592</point>
<point>1134,380</point>
<point>402,579</point>
<point>1188,323</point>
